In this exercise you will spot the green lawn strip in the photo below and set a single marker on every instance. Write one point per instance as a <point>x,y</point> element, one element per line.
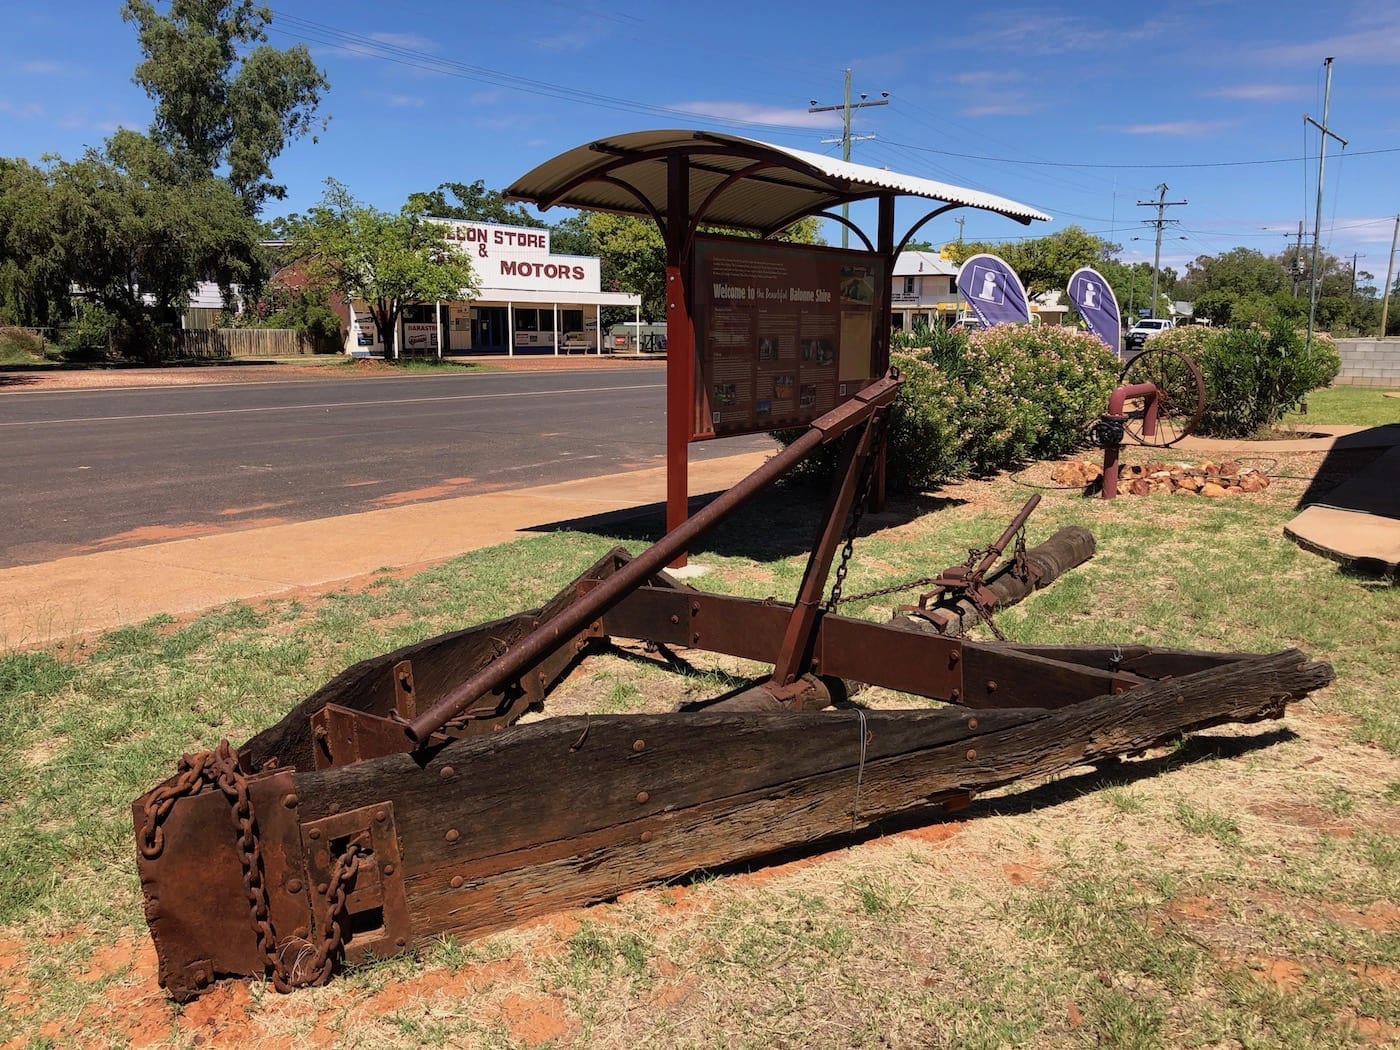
<point>1355,406</point>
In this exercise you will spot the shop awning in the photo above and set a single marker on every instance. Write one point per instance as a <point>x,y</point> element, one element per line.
<point>739,183</point>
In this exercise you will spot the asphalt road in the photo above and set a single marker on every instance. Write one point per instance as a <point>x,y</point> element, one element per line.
<point>94,470</point>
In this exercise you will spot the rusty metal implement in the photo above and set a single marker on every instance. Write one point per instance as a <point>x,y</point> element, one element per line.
<point>402,801</point>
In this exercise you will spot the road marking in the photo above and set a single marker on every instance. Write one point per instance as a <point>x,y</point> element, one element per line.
<point>331,404</point>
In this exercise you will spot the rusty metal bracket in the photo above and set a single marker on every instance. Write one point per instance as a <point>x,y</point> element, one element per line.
<point>405,699</point>
<point>376,920</point>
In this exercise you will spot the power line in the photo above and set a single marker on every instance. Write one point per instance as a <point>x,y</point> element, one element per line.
<point>846,138</point>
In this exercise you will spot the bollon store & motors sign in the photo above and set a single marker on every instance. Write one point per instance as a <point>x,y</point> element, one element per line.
<point>517,258</point>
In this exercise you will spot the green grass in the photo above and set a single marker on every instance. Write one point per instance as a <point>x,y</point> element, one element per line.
<point>902,944</point>
<point>1356,406</point>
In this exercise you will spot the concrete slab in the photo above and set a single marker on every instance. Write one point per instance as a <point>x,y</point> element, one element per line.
<point>1358,522</point>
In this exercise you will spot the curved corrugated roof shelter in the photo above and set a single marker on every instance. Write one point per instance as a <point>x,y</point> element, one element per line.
<point>739,183</point>
<point>685,179</point>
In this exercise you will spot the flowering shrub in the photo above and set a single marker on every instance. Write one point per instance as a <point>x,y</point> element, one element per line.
<point>989,401</point>
<point>1253,374</point>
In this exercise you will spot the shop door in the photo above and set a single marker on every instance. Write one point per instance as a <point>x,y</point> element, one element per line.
<point>489,328</point>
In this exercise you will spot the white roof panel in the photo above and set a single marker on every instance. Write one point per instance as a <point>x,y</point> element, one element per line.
<point>735,182</point>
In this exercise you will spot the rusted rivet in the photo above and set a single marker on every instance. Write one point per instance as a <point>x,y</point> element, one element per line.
<point>639,745</point>
<point>1180,699</point>
<point>290,801</point>
<point>991,685</point>
<point>694,608</point>
<point>456,882</point>
<point>322,887</point>
<point>954,656</point>
<point>971,754</point>
<point>675,618</point>
<point>646,836</point>
<point>1301,668</point>
<point>447,773</point>
<point>642,797</point>
<point>381,815</point>
<point>294,885</point>
<point>453,835</point>
<point>972,723</point>
<point>300,931</point>
<point>313,834</point>
<point>401,942</point>
<point>955,694</point>
<point>333,807</point>
<point>388,869</point>
<point>695,638</point>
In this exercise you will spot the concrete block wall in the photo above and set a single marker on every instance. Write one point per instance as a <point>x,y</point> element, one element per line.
<point>1369,362</point>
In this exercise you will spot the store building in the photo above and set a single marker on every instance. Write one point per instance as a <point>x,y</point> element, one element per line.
<point>925,290</point>
<point>529,301</point>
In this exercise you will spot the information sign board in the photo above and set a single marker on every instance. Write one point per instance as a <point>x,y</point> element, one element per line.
<point>783,332</point>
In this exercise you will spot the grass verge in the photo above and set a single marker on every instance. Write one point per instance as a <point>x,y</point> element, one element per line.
<point>1237,889</point>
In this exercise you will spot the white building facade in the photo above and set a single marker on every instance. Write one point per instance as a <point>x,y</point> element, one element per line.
<point>530,301</point>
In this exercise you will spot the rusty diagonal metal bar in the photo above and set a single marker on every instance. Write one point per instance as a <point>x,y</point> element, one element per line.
<point>555,632</point>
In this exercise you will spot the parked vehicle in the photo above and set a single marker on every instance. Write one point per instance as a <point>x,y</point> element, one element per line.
<point>1145,329</point>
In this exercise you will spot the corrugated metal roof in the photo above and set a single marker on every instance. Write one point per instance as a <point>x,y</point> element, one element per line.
<point>618,174</point>
<point>926,264</point>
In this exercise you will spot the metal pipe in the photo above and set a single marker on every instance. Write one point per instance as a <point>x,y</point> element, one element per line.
<point>574,617</point>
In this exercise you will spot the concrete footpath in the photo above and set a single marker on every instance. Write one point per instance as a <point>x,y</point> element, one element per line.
<point>73,596</point>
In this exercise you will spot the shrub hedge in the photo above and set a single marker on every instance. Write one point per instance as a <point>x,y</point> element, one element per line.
<point>1253,374</point>
<point>975,403</point>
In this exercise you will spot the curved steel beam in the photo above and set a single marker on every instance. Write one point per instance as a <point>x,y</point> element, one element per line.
<point>919,225</point>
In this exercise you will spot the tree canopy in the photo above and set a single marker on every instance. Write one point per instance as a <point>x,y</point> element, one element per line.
<point>474,203</point>
<point>1043,263</point>
<point>382,259</point>
<point>222,94</point>
<point>136,231</point>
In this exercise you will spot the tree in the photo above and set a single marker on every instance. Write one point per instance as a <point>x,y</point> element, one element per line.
<point>1043,263</point>
<point>33,286</point>
<point>376,257</point>
<point>475,203</point>
<point>231,106</point>
<point>137,231</point>
<point>1238,272</point>
<point>634,259</point>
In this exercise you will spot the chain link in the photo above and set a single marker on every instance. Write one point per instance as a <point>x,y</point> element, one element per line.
<point>219,768</point>
<point>877,422</point>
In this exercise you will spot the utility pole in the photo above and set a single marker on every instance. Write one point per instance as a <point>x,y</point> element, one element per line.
<point>960,220</point>
<point>846,139</point>
<point>1353,273</point>
<point>1317,221</point>
<point>1161,204</point>
<point>1389,269</point>
<point>1296,268</point>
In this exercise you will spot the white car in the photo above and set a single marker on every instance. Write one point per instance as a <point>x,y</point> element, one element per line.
<point>1145,329</point>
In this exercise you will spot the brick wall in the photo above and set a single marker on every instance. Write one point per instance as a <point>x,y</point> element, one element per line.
<point>1369,362</point>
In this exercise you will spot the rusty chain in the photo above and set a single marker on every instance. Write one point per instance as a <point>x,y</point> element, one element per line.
<point>877,421</point>
<point>219,768</point>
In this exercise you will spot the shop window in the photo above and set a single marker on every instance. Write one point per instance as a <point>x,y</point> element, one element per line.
<point>571,320</point>
<point>527,320</point>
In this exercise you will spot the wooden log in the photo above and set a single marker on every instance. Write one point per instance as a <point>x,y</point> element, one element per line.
<point>1067,548</point>
<point>491,830</point>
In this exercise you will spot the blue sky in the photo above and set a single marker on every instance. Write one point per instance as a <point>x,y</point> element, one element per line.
<point>1080,110</point>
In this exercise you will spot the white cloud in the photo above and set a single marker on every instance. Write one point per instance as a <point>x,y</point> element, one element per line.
<point>1371,40</point>
<point>42,68</point>
<point>1183,128</point>
<point>404,101</point>
<point>23,110</point>
<point>1259,92</point>
<point>755,113</point>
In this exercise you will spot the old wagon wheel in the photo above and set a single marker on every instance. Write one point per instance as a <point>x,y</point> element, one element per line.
<point>1182,397</point>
